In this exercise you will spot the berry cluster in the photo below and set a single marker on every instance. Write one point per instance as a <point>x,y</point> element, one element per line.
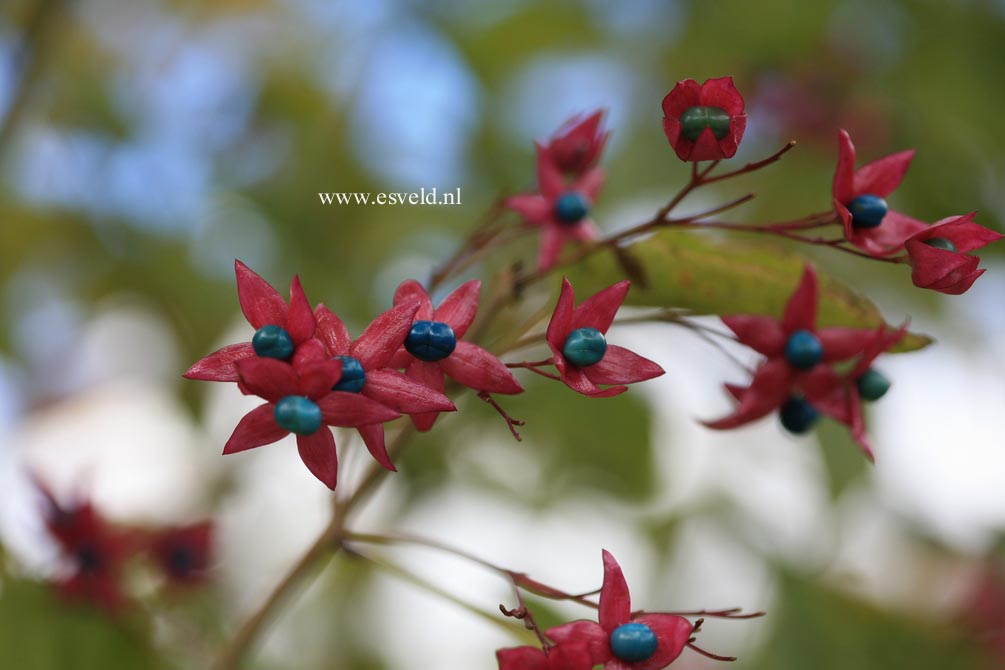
<point>95,551</point>
<point>312,375</point>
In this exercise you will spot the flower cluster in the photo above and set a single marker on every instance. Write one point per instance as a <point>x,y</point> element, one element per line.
<point>704,122</point>
<point>312,375</point>
<point>576,336</point>
<point>95,551</point>
<point>938,253</point>
<point>568,184</point>
<point>798,377</point>
<point>620,639</point>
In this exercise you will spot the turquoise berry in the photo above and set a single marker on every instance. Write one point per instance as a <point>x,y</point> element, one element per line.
<point>696,119</point>
<point>941,243</point>
<point>872,385</point>
<point>584,347</point>
<point>353,375</point>
<point>571,207</point>
<point>272,342</point>
<point>298,414</point>
<point>430,341</point>
<point>633,642</point>
<point>867,211</point>
<point>797,415</point>
<point>803,350</point>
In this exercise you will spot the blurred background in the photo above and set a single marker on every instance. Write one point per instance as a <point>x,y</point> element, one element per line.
<point>145,144</point>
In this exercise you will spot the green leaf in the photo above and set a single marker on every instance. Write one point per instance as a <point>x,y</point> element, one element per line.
<point>40,632</point>
<point>843,458</point>
<point>585,443</point>
<point>694,271</point>
<point>817,627</point>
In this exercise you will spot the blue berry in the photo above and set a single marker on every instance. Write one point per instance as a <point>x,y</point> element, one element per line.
<point>298,414</point>
<point>867,211</point>
<point>696,119</point>
<point>633,642</point>
<point>872,385</point>
<point>353,375</point>
<point>584,347</point>
<point>430,341</point>
<point>941,243</point>
<point>571,207</point>
<point>803,350</point>
<point>797,415</point>
<point>272,342</point>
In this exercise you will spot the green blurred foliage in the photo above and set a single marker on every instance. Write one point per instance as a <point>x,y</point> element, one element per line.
<point>40,632</point>
<point>817,627</point>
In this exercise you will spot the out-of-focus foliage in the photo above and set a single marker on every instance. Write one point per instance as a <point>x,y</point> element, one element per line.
<point>40,632</point>
<point>820,628</point>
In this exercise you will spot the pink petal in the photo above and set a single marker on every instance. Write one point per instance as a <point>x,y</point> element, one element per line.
<point>317,380</point>
<point>731,142</point>
<point>769,388</point>
<point>615,600</point>
<point>560,325</point>
<point>686,93</point>
<point>672,634</point>
<point>410,290</point>
<point>882,341</point>
<point>534,208</point>
<point>819,382</point>
<point>881,177</point>
<point>598,311</point>
<point>672,130</point>
<point>858,424</point>
<point>721,92</point>
<point>257,428</point>
<point>801,309</point>
<point>761,333</point>
<point>268,378</point>
<point>705,148</point>
<point>427,374</point>
<point>262,305</point>
<point>351,410</point>
<point>522,658</point>
<point>834,405</point>
<point>941,270</point>
<point>584,231</point>
<point>552,241</point>
<point>332,331</point>
<point>476,368</point>
<point>597,640</point>
<point>459,308</point>
<point>373,438</point>
<point>403,393</point>
<point>844,175</point>
<point>317,451</point>
<point>300,322</point>
<point>549,178</point>
<point>843,343</point>
<point>384,336</point>
<point>400,360</point>
<point>621,366</point>
<point>575,378</point>
<point>309,353</point>
<point>888,238</point>
<point>962,231</point>
<point>219,365</point>
<point>589,184</point>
